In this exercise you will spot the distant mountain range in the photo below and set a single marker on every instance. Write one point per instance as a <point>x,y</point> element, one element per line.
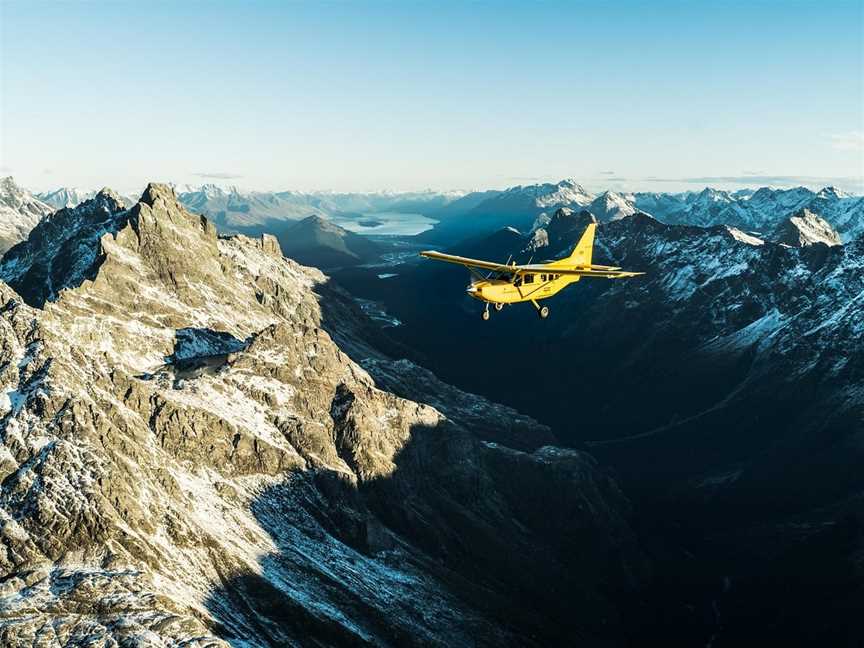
<point>72,197</point>
<point>460,215</point>
<point>234,210</point>
<point>759,211</point>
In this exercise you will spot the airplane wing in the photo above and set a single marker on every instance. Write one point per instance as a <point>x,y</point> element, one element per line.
<point>470,263</point>
<point>609,272</point>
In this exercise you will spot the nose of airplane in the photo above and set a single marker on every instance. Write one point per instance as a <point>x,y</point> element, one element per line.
<point>472,290</point>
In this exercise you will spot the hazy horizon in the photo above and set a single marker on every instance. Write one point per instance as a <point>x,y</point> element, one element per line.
<point>622,186</point>
<point>374,96</point>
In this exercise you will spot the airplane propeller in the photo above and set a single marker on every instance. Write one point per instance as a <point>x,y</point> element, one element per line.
<point>475,274</point>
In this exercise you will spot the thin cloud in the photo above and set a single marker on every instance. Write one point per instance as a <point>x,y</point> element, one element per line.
<point>523,178</point>
<point>852,184</point>
<point>219,175</point>
<point>748,179</point>
<point>851,141</point>
<point>607,173</point>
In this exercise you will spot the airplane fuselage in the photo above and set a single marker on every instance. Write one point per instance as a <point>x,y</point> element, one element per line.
<point>530,287</point>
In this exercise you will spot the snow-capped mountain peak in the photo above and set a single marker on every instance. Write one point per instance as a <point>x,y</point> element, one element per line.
<point>65,197</point>
<point>611,205</point>
<point>19,213</point>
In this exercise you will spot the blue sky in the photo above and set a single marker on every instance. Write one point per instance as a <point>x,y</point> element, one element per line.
<point>366,96</point>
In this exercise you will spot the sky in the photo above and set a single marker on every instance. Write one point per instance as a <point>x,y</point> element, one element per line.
<point>364,96</point>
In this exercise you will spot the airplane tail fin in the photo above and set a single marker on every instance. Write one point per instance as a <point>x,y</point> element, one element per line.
<point>581,255</point>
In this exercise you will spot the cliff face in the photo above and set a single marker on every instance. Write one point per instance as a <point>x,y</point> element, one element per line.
<point>189,458</point>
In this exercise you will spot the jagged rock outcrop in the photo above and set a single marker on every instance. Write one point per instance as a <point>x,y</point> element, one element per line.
<point>806,228</point>
<point>188,458</point>
<point>63,249</point>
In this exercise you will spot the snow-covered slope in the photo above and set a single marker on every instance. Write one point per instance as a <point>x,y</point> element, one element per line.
<point>19,213</point>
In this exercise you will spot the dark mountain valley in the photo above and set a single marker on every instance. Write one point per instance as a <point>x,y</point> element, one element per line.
<point>723,388</point>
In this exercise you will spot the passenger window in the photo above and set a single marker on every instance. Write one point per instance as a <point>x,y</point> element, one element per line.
<point>542,277</point>
<point>529,279</point>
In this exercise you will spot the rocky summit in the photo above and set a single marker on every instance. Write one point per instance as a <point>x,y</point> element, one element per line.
<point>203,444</point>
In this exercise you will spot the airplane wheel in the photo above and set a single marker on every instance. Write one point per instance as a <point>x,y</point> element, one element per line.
<point>498,307</point>
<point>485,315</point>
<point>544,312</point>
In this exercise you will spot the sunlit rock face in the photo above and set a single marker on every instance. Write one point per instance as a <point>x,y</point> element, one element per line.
<point>188,458</point>
<point>806,228</point>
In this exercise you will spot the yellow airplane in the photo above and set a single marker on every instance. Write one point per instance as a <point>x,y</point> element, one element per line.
<point>509,283</point>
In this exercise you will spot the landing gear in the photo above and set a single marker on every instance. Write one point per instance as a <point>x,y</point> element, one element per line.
<point>486,313</point>
<point>498,306</point>
<point>542,311</point>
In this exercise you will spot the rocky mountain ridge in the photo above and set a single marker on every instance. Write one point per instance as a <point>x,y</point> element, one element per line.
<point>188,458</point>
